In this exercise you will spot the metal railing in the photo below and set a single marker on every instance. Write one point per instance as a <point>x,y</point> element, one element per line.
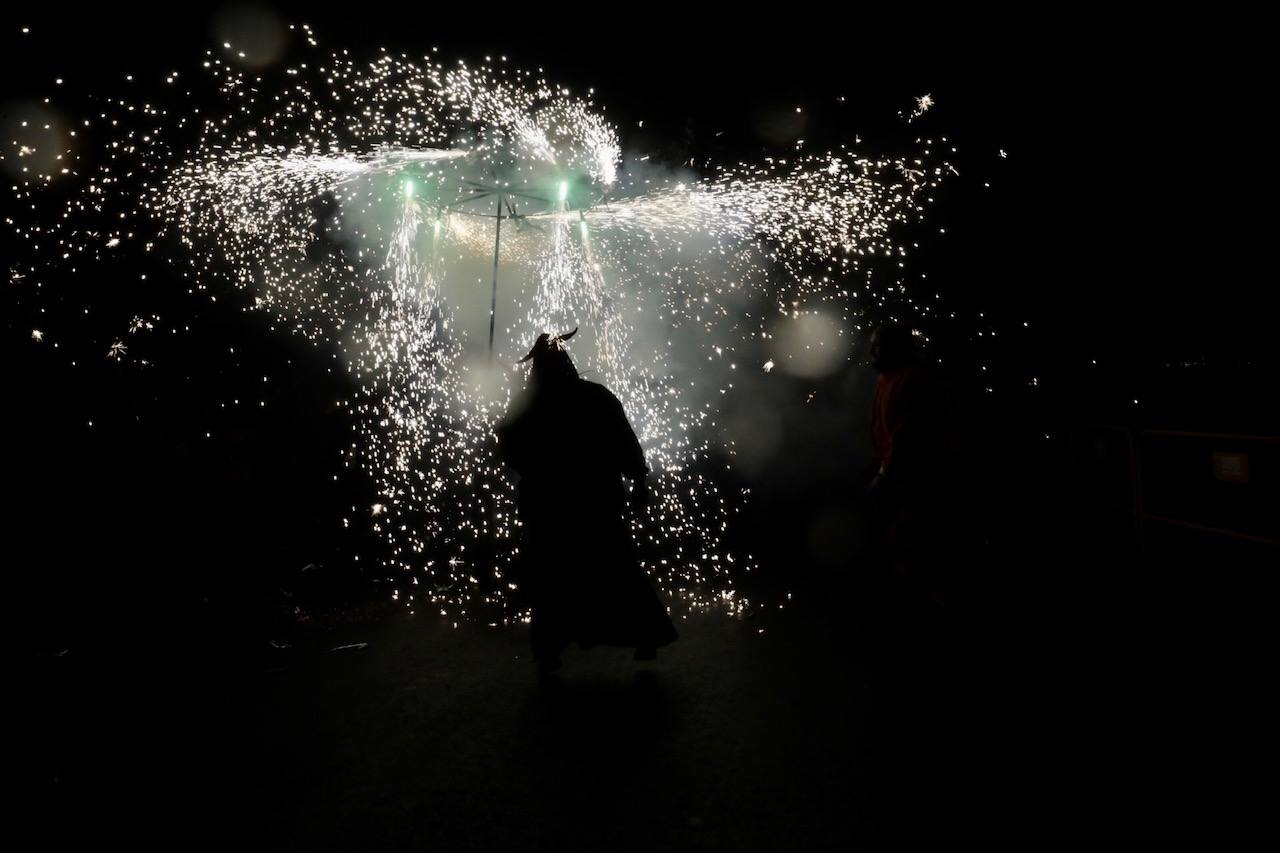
<point>1137,505</point>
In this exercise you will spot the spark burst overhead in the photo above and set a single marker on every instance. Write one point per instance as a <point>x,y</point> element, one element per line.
<point>355,201</point>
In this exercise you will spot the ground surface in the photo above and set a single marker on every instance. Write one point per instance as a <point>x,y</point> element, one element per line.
<point>819,727</point>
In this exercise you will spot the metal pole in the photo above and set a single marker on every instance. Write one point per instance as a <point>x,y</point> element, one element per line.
<point>493,300</point>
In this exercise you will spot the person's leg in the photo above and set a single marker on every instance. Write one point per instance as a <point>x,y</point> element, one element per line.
<point>545,638</point>
<point>548,663</point>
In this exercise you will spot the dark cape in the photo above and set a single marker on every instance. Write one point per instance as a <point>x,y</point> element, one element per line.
<point>571,444</point>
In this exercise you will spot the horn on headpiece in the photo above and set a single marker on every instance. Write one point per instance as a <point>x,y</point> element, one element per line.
<point>542,341</point>
<point>562,338</point>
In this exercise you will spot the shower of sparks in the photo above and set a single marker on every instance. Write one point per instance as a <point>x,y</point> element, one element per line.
<point>923,103</point>
<point>355,202</point>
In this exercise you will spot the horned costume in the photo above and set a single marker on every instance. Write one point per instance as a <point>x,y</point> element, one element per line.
<point>571,444</point>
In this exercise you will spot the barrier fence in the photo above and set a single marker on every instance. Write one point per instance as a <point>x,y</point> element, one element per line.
<point>1218,484</point>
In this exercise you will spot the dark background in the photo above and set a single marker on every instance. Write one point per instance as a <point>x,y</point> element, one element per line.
<point>1119,229</point>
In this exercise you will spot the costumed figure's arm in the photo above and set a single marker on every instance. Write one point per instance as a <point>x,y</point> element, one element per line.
<point>629,454</point>
<point>513,443</point>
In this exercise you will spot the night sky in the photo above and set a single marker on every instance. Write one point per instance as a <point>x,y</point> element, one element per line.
<point>1118,224</point>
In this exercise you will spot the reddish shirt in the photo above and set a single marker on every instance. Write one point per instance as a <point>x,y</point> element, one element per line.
<point>899,417</point>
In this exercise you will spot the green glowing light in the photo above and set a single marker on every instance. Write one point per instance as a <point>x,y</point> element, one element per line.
<point>564,190</point>
<point>408,189</point>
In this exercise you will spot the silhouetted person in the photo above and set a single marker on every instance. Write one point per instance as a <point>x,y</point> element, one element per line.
<point>571,444</point>
<point>908,433</point>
